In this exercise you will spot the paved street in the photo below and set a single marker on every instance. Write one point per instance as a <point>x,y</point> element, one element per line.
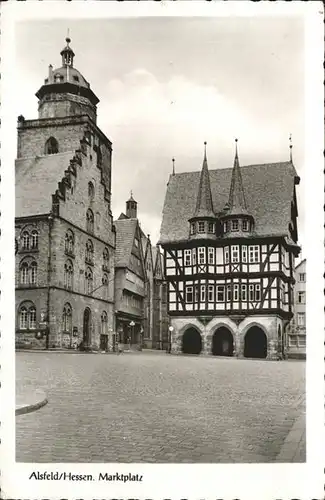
<point>150,407</point>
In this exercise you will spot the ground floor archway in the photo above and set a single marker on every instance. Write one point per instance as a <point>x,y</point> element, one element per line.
<point>191,341</point>
<point>87,328</point>
<point>222,342</point>
<point>255,343</point>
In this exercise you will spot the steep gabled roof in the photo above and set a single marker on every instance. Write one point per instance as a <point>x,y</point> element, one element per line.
<point>268,189</point>
<point>36,180</point>
<point>125,233</point>
<point>204,205</point>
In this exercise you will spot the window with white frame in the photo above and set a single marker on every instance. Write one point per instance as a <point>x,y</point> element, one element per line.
<point>229,293</point>
<point>210,255</point>
<point>254,253</point>
<point>301,319</point>
<point>201,227</point>
<point>24,273</point>
<point>211,293</point>
<point>234,253</point>
<point>211,227</point>
<point>220,293</point>
<point>244,254</point>
<point>27,317</point>
<point>234,225</point>
<point>302,277</point>
<point>244,292</point>
<point>34,240</point>
<point>301,297</point>
<point>251,293</point>
<point>226,254</point>
<point>33,273</point>
<point>245,225</point>
<point>201,255</point>
<point>202,293</point>
<point>23,318</point>
<point>32,318</point>
<point>194,256</point>
<point>187,257</point>
<point>225,227</point>
<point>257,292</point>
<point>192,228</point>
<point>236,292</point>
<point>25,240</point>
<point>189,294</point>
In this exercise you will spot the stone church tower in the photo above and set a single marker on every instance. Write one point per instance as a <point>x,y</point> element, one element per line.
<point>65,239</point>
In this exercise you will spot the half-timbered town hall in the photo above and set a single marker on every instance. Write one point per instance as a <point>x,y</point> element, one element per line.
<point>230,239</point>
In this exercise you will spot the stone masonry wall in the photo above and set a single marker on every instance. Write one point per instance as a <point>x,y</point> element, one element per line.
<point>31,140</point>
<point>269,324</point>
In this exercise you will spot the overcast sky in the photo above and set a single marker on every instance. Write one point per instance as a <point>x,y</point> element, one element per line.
<point>166,85</point>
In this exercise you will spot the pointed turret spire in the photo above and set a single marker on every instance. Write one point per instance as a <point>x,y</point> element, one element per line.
<point>173,160</point>
<point>204,205</point>
<point>237,202</point>
<point>235,217</point>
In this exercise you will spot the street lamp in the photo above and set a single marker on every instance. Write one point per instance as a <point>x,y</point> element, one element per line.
<point>171,329</point>
<point>131,333</point>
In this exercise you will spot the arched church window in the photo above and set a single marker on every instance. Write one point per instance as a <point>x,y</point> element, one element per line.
<point>51,146</point>
<point>67,318</point>
<point>90,221</point>
<point>91,191</point>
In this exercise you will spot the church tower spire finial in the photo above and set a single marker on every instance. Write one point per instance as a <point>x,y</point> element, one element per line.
<point>290,146</point>
<point>67,53</point>
<point>173,160</point>
<point>236,195</point>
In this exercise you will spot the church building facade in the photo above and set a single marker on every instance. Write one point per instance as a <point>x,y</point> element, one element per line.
<point>65,239</point>
<point>230,239</point>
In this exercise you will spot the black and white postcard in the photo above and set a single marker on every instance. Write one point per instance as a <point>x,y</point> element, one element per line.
<point>162,236</point>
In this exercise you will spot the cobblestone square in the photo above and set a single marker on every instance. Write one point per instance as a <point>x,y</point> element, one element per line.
<point>158,408</point>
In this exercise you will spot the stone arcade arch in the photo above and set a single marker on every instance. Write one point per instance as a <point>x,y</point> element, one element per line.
<point>222,342</point>
<point>191,341</point>
<point>255,343</point>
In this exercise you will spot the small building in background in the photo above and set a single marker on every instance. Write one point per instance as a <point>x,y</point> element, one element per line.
<point>140,304</point>
<point>297,335</point>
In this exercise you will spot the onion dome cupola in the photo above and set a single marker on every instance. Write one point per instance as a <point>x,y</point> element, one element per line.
<point>235,218</point>
<point>131,208</point>
<point>65,91</point>
<point>203,221</point>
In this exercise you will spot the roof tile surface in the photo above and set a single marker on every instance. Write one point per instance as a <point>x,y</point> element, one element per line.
<point>268,191</point>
